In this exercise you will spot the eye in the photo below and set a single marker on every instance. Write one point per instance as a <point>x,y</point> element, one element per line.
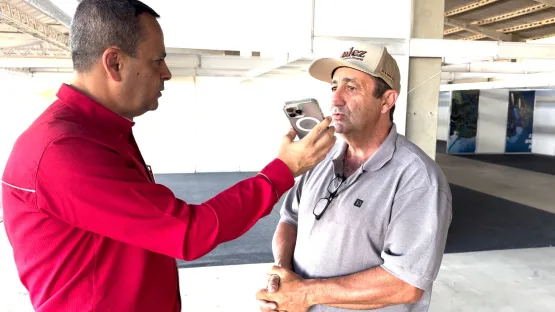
<point>351,88</point>
<point>334,88</point>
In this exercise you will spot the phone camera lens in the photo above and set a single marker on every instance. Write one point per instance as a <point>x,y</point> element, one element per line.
<point>298,111</point>
<point>292,115</point>
<point>290,109</point>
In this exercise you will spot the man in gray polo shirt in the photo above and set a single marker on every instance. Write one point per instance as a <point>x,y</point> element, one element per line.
<point>366,228</point>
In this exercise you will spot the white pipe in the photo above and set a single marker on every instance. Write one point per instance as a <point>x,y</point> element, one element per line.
<point>517,81</point>
<point>500,67</point>
<point>172,60</point>
<point>481,49</point>
<point>451,76</point>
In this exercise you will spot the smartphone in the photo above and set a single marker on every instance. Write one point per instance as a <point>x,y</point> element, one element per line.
<point>303,115</point>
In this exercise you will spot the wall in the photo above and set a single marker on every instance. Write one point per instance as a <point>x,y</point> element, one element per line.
<point>236,25</point>
<point>223,124</point>
<point>492,121</point>
<point>543,141</point>
<point>443,116</point>
<point>22,99</point>
<point>206,124</point>
<point>279,27</point>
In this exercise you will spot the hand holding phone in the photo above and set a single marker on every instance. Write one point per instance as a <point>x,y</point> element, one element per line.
<point>315,134</point>
<point>303,115</point>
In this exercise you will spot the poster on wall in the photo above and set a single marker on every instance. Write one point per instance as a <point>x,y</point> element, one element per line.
<point>520,121</point>
<point>463,122</point>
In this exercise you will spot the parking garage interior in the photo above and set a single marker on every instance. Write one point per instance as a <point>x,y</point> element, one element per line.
<point>500,246</point>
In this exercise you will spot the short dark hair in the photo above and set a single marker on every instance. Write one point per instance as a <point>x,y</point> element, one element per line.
<point>380,86</point>
<point>99,24</point>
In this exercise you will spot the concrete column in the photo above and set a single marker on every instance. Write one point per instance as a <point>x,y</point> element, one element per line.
<point>424,78</point>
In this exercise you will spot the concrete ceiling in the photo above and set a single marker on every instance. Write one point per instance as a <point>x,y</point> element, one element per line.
<point>34,39</point>
<point>505,20</point>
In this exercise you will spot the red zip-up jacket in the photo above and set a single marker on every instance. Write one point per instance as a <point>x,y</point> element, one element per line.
<point>92,231</point>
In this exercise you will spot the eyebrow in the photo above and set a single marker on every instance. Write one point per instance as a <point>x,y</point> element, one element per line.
<point>346,80</point>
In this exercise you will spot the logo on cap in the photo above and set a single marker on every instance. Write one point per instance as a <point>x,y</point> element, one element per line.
<point>354,54</point>
<point>386,73</point>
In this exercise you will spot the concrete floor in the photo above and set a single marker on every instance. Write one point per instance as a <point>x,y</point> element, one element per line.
<point>526,187</point>
<point>521,280</point>
<point>498,258</point>
<point>518,280</point>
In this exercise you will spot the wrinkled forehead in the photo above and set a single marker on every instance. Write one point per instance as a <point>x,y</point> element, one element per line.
<point>350,75</point>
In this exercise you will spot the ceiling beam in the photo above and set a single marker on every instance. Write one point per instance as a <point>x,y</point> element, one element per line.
<point>21,21</point>
<point>50,9</point>
<point>470,7</point>
<point>16,71</point>
<point>33,51</point>
<point>521,27</point>
<point>478,30</point>
<point>275,64</point>
<point>547,21</point>
<point>484,50</point>
<point>542,36</point>
<point>547,2</point>
<point>501,17</point>
<point>513,81</point>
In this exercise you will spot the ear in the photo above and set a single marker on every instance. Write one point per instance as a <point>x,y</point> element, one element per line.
<point>112,61</point>
<point>388,100</point>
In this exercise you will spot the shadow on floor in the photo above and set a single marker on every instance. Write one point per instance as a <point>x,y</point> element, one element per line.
<point>484,222</point>
<point>532,162</point>
<point>480,222</point>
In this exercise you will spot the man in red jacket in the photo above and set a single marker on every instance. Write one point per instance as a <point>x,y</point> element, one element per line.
<point>90,229</point>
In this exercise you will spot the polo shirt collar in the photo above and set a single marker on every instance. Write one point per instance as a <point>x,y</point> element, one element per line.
<point>374,163</point>
<point>384,152</point>
<point>94,111</point>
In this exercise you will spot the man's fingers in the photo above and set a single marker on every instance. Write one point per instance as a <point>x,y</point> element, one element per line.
<point>267,306</point>
<point>273,283</point>
<point>262,294</point>
<point>318,129</point>
<point>327,140</point>
<point>277,270</point>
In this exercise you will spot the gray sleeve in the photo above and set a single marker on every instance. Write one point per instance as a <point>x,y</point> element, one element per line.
<point>416,236</point>
<point>290,208</point>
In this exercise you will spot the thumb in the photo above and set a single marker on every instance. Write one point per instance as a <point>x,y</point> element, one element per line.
<point>279,271</point>
<point>273,283</point>
<point>290,136</point>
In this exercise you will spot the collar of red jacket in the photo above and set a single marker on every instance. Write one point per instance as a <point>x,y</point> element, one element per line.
<point>96,112</point>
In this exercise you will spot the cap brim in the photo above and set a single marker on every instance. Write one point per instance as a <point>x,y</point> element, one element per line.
<point>323,68</point>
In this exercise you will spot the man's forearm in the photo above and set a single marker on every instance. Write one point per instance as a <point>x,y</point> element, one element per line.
<point>358,306</point>
<point>370,289</point>
<point>283,245</point>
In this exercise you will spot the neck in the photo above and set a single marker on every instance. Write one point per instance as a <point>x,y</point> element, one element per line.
<point>97,91</point>
<point>363,145</point>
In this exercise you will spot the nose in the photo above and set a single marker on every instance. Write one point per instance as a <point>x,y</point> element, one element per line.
<point>338,98</point>
<point>165,73</point>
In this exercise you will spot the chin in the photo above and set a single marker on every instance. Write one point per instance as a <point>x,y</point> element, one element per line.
<point>339,127</point>
<point>153,106</point>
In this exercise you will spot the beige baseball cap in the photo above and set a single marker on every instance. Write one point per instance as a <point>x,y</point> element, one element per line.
<point>369,58</point>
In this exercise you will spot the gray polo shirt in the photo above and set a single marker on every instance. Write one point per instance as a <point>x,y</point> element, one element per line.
<point>393,212</point>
